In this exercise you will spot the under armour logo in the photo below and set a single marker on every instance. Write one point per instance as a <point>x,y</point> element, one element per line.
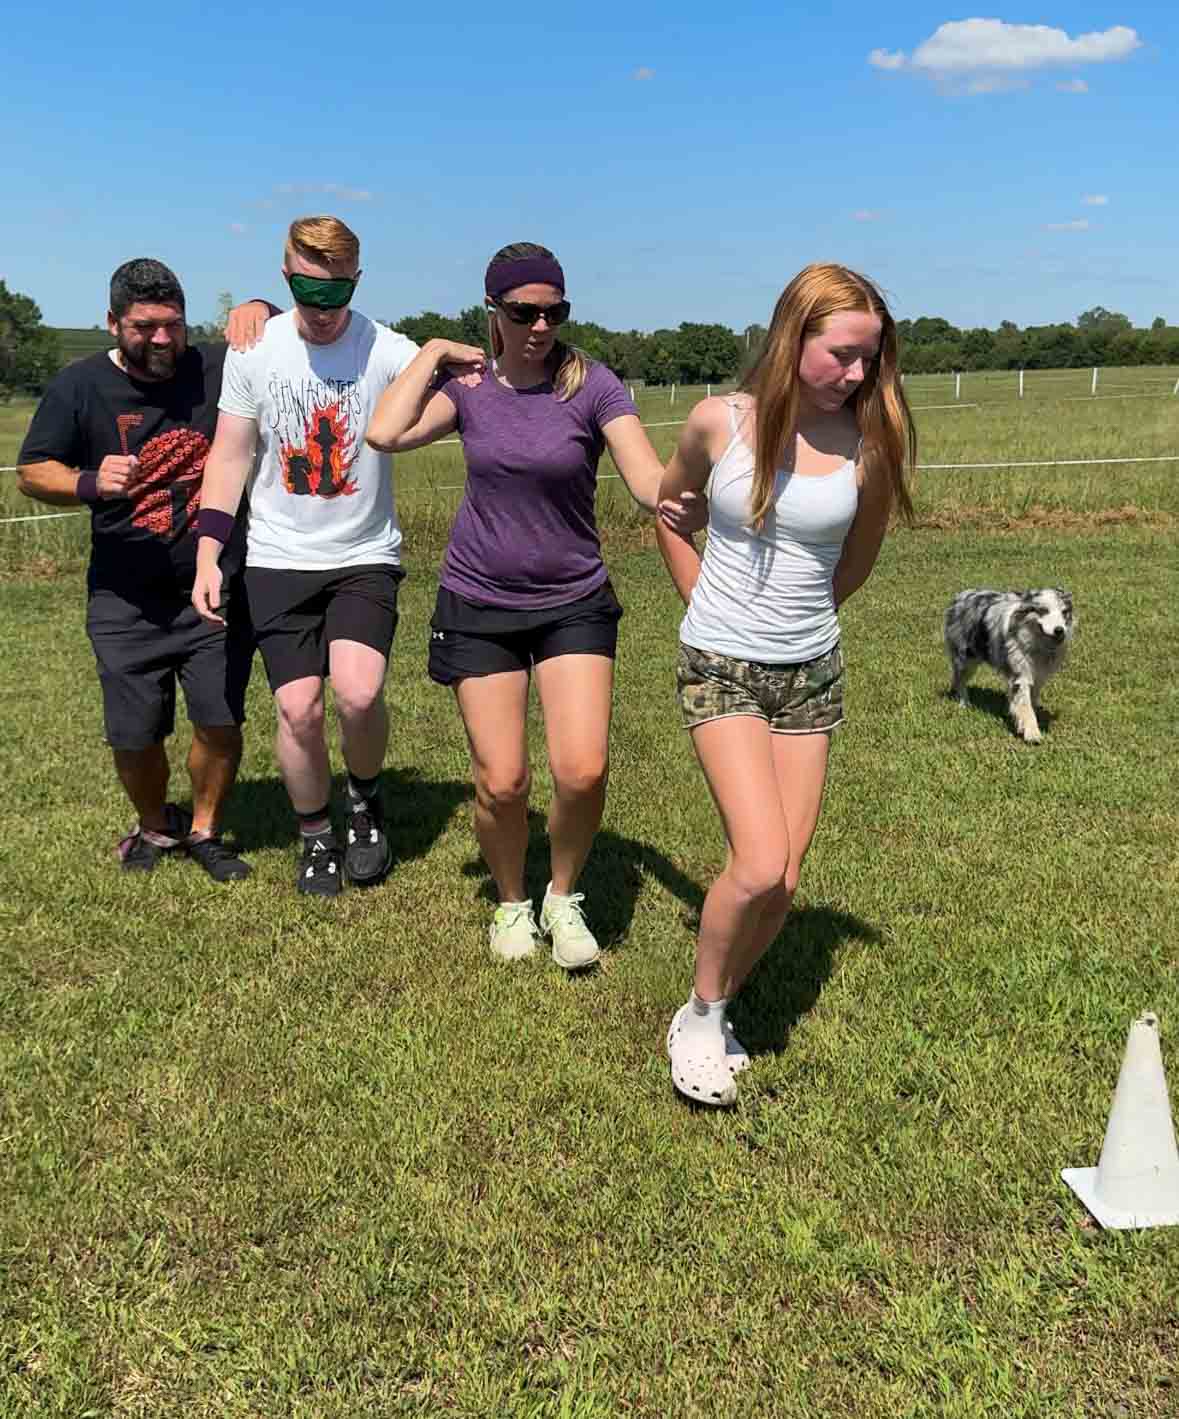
<point>437,635</point>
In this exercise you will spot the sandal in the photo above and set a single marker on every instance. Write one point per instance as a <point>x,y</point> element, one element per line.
<point>736,1055</point>
<point>699,1073</point>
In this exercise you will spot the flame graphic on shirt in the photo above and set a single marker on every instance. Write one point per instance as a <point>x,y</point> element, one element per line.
<point>320,467</point>
<point>167,492</point>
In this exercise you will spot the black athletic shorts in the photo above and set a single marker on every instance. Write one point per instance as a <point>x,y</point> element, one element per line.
<point>468,640</point>
<point>142,649</point>
<point>297,615</point>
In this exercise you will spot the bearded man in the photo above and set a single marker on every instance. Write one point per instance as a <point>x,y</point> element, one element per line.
<point>126,433</point>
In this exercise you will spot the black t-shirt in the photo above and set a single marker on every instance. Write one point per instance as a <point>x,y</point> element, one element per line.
<point>143,545</point>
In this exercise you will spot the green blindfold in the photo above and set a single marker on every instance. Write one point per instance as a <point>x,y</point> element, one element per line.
<point>328,294</point>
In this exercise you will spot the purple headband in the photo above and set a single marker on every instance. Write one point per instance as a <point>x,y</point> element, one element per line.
<point>526,271</point>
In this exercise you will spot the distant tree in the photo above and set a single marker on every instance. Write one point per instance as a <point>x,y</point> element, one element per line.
<point>1101,319</point>
<point>659,363</point>
<point>473,326</point>
<point>755,338</point>
<point>706,354</point>
<point>30,353</point>
<point>1158,323</point>
<point>214,329</point>
<point>429,326</point>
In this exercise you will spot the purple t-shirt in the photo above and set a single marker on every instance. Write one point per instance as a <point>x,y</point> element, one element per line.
<point>525,535</point>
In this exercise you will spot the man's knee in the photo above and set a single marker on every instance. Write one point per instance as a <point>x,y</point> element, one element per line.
<point>359,699</point>
<point>222,740</point>
<point>300,713</point>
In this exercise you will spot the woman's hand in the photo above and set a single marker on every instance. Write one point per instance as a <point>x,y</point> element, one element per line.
<point>686,514</point>
<point>459,359</point>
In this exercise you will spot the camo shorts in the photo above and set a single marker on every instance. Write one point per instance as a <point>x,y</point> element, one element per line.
<point>793,699</point>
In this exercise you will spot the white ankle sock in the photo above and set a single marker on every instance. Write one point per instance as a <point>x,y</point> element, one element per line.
<point>704,1019</point>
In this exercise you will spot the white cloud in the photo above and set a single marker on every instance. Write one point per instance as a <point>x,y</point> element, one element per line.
<point>331,189</point>
<point>642,72</point>
<point>1095,199</point>
<point>979,56</point>
<point>1080,225</point>
<point>864,215</point>
<point>994,84</point>
<point>349,194</point>
<point>1072,86</point>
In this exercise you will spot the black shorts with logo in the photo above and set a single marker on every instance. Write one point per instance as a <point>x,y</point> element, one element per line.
<point>468,640</point>
<point>144,647</point>
<point>297,615</point>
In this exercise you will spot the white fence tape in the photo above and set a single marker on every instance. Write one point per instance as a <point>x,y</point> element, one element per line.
<point>921,468</point>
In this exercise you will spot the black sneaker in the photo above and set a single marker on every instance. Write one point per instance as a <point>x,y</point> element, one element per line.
<point>138,853</point>
<point>320,872</point>
<point>220,862</point>
<point>368,855</point>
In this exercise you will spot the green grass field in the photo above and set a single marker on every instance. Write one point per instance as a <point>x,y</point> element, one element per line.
<point>271,1157</point>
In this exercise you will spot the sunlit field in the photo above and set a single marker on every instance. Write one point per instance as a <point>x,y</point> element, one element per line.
<point>266,1156</point>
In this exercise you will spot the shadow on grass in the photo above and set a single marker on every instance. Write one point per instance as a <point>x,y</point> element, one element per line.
<point>611,881</point>
<point>790,977</point>
<point>417,811</point>
<point>786,982</point>
<point>994,703</point>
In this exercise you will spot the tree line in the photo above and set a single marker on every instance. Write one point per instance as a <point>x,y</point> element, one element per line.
<point>714,354</point>
<point>694,352</point>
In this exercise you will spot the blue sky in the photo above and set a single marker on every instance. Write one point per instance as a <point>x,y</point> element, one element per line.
<point>682,160</point>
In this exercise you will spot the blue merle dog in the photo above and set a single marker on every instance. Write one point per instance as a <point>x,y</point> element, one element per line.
<point>1021,634</point>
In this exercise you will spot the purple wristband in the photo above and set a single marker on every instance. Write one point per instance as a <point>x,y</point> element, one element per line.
<point>212,522</point>
<point>87,488</point>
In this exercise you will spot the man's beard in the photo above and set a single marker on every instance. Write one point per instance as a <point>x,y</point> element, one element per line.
<point>154,361</point>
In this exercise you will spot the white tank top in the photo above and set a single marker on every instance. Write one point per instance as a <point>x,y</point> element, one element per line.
<point>768,595</point>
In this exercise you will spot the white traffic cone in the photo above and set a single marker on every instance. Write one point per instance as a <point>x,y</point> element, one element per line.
<point>1136,1182</point>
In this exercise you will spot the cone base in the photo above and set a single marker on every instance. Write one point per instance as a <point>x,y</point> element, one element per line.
<point>1083,1182</point>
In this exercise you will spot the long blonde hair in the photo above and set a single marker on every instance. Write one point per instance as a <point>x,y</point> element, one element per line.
<point>882,413</point>
<point>572,365</point>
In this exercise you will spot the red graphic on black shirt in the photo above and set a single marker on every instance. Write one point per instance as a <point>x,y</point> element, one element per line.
<point>320,467</point>
<point>167,492</point>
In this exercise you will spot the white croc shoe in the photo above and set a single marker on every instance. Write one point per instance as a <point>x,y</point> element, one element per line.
<point>700,1072</point>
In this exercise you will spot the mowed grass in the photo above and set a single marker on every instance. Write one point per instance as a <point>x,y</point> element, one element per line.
<point>268,1157</point>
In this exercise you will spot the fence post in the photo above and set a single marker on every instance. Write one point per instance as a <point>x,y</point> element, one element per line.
<point>632,394</point>
<point>1093,390</point>
<point>1176,389</point>
<point>710,391</point>
<point>958,386</point>
<point>672,399</point>
<point>1021,384</point>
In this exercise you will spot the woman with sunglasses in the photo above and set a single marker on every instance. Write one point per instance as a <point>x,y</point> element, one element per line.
<point>523,588</point>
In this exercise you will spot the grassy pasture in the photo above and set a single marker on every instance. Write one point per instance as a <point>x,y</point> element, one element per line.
<point>266,1157</point>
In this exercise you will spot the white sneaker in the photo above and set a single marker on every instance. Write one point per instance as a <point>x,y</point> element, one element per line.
<point>513,931</point>
<point>563,921</point>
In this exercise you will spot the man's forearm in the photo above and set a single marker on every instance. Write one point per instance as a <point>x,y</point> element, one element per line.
<point>224,482</point>
<point>54,483</point>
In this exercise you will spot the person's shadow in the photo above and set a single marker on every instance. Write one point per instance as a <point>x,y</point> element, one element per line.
<point>994,703</point>
<point>785,984</point>
<point>417,811</point>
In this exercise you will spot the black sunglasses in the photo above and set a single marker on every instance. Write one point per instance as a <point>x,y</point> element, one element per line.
<point>525,313</point>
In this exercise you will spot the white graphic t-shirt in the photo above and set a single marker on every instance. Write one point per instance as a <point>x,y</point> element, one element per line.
<point>320,497</point>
